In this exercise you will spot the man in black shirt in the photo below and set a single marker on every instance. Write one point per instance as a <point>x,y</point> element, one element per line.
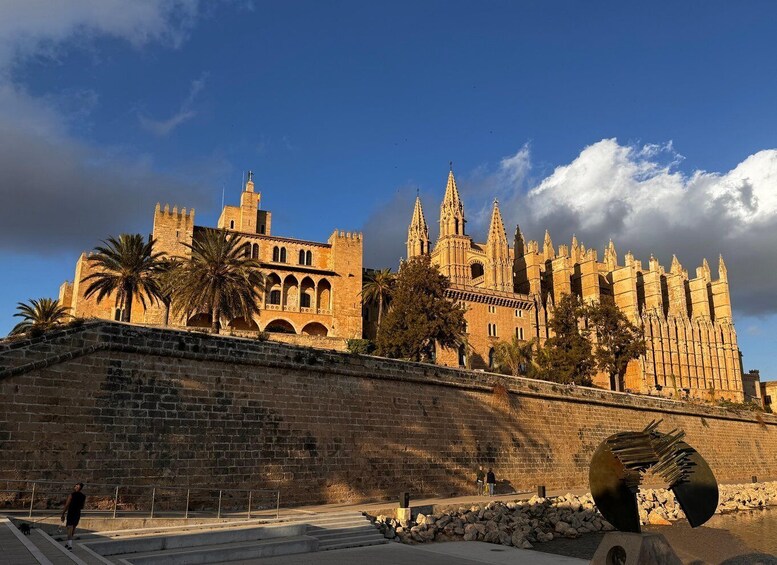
<point>491,480</point>
<point>73,506</point>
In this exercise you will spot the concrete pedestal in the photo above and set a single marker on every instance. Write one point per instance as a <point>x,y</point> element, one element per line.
<point>621,548</point>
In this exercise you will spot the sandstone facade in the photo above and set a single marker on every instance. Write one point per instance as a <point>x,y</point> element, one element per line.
<point>311,288</point>
<point>687,321</point>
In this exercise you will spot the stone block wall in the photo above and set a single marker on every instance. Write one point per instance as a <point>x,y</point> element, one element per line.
<point>116,403</point>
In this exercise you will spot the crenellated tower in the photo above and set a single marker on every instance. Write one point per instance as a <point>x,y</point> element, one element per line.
<point>418,232</point>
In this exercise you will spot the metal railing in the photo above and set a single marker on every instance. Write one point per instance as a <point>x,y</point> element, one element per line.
<point>154,501</point>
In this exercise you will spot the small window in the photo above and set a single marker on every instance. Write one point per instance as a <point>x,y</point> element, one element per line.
<point>492,309</point>
<point>255,251</point>
<point>261,229</point>
<point>275,297</point>
<point>305,301</point>
<point>231,224</point>
<point>519,313</point>
<point>283,254</point>
<point>247,250</point>
<point>462,355</point>
<point>491,358</point>
<point>308,258</point>
<point>301,257</point>
<point>519,333</point>
<point>275,254</point>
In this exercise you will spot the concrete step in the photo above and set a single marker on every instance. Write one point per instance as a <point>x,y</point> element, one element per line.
<point>221,553</point>
<point>183,540</point>
<point>354,543</point>
<point>352,537</point>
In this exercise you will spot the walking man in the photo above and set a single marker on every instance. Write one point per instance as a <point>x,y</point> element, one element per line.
<point>491,480</point>
<point>480,480</point>
<point>72,510</point>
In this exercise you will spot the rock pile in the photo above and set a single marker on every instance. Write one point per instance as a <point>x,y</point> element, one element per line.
<point>524,523</point>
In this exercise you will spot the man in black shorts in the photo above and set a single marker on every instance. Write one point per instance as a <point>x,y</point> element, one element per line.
<point>73,506</point>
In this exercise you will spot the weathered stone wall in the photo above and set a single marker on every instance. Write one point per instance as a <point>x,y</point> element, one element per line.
<point>110,402</point>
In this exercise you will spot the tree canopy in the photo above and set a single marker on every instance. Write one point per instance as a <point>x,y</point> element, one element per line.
<point>567,356</point>
<point>420,314</point>
<point>219,279</point>
<point>618,341</point>
<point>39,314</point>
<point>516,357</point>
<point>128,266</point>
<point>377,288</point>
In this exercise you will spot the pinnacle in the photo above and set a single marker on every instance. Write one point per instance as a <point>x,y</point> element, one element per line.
<point>496,231</point>
<point>419,221</point>
<point>452,194</point>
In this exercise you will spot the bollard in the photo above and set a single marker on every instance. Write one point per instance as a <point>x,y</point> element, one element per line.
<point>186,513</point>
<point>541,491</point>
<point>218,514</point>
<point>115,502</point>
<point>153,499</point>
<point>249,504</point>
<point>404,499</point>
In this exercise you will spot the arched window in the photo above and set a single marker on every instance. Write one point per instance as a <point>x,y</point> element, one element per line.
<point>275,254</point>
<point>301,257</point>
<point>231,224</point>
<point>308,258</point>
<point>462,355</point>
<point>457,225</point>
<point>305,300</point>
<point>275,297</point>
<point>247,250</point>
<point>476,270</point>
<point>491,358</point>
<point>255,251</point>
<point>283,254</point>
<point>422,247</point>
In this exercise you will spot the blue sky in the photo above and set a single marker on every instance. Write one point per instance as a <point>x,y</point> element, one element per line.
<point>654,124</point>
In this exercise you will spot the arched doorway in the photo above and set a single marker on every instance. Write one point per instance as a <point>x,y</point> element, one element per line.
<point>199,321</point>
<point>243,324</point>
<point>315,328</point>
<point>290,292</point>
<point>280,326</point>
<point>272,292</point>
<point>324,295</point>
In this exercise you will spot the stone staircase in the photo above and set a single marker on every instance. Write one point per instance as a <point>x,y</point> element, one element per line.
<point>342,530</point>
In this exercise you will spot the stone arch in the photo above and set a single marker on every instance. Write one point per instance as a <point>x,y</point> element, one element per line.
<point>290,292</point>
<point>476,270</point>
<point>279,325</point>
<point>324,294</point>
<point>243,324</point>
<point>272,290</point>
<point>200,320</point>
<point>307,293</point>
<point>315,328</point>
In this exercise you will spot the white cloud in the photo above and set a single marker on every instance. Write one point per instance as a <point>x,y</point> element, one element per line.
<point>639,197</point>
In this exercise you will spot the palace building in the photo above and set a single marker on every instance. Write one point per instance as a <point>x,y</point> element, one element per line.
<point>311,288</point>
<point>510,291</point>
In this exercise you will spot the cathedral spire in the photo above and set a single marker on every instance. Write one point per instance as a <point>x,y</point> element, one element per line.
<point>496,232</point>
<point>452,210</point>
<point>418,232</point>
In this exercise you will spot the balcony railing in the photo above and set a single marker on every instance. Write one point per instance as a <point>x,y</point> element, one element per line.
<point>273,307</point>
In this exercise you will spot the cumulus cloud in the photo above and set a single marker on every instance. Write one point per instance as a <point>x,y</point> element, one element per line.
<point>638,196</point>
<point>162,128</point>
<point>51,181</point>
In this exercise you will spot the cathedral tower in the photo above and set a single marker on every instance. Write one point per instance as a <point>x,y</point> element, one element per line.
<point>453,244</point>
<point>418,232</point>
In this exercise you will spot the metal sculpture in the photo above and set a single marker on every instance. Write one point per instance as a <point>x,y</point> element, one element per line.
<point>621,461</point>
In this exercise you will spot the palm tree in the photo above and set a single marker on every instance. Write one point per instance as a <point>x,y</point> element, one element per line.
<point>218,279</point>
<point>40,314</point>
<point>167,272</point>
<point>377,287</point>
<point>127,266</point>
<point>516,355</point>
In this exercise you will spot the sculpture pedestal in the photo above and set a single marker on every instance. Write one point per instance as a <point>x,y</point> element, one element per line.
<point>622,548</point>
